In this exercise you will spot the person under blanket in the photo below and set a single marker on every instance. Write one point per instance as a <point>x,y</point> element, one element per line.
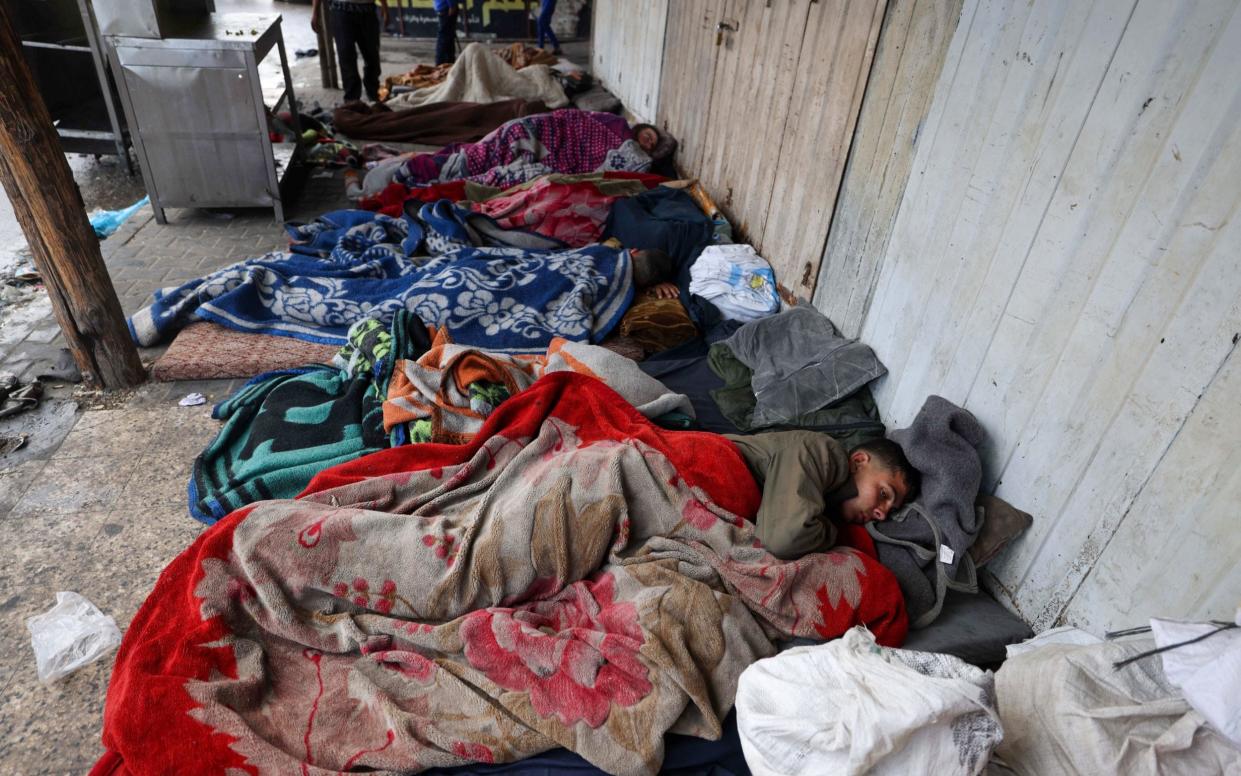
<point>808,481</point>
<point>567,141</point>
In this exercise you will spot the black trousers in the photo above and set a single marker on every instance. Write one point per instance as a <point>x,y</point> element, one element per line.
<point>446,40</point>
<point>355,25</point>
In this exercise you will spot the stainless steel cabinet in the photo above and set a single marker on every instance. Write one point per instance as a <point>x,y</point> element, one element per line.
<point>195,107</point>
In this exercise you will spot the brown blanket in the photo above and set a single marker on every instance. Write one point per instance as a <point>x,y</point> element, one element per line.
<point>437,123</point>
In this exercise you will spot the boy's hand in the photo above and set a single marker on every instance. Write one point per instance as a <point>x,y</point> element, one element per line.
<point>665,291</point>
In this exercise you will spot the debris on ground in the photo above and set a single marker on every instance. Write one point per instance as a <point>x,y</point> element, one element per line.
<point>12,442</point>
<point>64,367</point>
<point>16,398</point>
<point>70,635</point>
<point>106,222</point>
<point>193,400</point>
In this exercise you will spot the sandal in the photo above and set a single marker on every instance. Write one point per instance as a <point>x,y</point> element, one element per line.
<point>24,398</point>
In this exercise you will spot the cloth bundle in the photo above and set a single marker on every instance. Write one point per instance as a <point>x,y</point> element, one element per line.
<point>1068,709</point>
<point>439,388</point>
<point>657,324</point>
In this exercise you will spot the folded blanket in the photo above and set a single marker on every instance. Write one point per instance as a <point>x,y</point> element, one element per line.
<point>421,76</point>
<point>926,544</point>
<point>852,420</point>
<point>520,55</point>
<point>437,386</point>
<point>279,431</point>
<point>283,428</point>
<point>433,124</point>
<point>573,577</point>
<point>508,299</point>
<point>800,364</point>
<point>479,75</point>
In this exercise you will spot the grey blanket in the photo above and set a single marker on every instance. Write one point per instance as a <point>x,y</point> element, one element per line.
<point>942,443</point>
<point>801,364</point>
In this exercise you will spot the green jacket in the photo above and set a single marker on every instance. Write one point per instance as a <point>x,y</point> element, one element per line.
<point>795,470</point>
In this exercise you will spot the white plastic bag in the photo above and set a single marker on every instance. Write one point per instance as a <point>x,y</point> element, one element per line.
<point>739,282</point>
<point>1207,671</point>
<point>70,635</point>
<point>852,706</point>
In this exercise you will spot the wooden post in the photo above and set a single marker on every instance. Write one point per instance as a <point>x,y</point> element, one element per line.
<point>49,208</point>
<point>327,51</point>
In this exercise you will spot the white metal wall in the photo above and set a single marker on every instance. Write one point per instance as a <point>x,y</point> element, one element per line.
<point>628,51</point>
<point>1066,263</point>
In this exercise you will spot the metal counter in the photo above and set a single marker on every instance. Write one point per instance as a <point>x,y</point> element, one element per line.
<point>195,107</point>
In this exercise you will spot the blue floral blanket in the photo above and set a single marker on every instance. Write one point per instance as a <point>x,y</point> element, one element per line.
<point>508,299</point>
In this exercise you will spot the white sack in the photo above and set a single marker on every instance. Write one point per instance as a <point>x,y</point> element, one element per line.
<point>851,706</point>
<point>1066,710</point>
<point>1208,672</point>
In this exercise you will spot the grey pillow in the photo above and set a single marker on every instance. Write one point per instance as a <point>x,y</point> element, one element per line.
<point>974,628</point>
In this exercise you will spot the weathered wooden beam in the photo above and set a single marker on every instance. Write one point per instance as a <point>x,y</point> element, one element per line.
<point>49,208</point>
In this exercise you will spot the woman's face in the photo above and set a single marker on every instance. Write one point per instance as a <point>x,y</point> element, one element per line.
<point>648,138</point>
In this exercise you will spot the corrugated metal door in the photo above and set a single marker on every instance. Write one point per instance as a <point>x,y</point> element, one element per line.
<point>837,50</point>
<point>628,44</point>
<point>1066,263</point>
<point>688,78</point>
<point>764,97</point>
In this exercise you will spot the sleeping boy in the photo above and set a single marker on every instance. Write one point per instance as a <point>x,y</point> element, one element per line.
<point>809,480</point>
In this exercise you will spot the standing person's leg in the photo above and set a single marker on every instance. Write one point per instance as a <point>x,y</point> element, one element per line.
<point>545,24</point>
<point>342,22</point>
<point>368,44</point>
<point>446,40</point>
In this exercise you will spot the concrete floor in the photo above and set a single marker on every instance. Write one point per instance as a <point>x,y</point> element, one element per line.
<point>96,501</point>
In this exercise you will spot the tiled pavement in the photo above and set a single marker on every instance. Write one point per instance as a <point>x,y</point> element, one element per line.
<point>104,511</point>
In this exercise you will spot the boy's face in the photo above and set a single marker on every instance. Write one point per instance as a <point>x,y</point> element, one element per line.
<point>879,490</point>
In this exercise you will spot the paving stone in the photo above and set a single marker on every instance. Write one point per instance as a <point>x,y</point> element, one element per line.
<point>113,559</point>
<point>14,481</point>
<point>45,427</point>
<point>104,512</point>
<point>69,486</point>
<point>129,430</point>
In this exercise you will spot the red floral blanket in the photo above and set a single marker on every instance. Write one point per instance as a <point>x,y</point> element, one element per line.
<point>574,577</point>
